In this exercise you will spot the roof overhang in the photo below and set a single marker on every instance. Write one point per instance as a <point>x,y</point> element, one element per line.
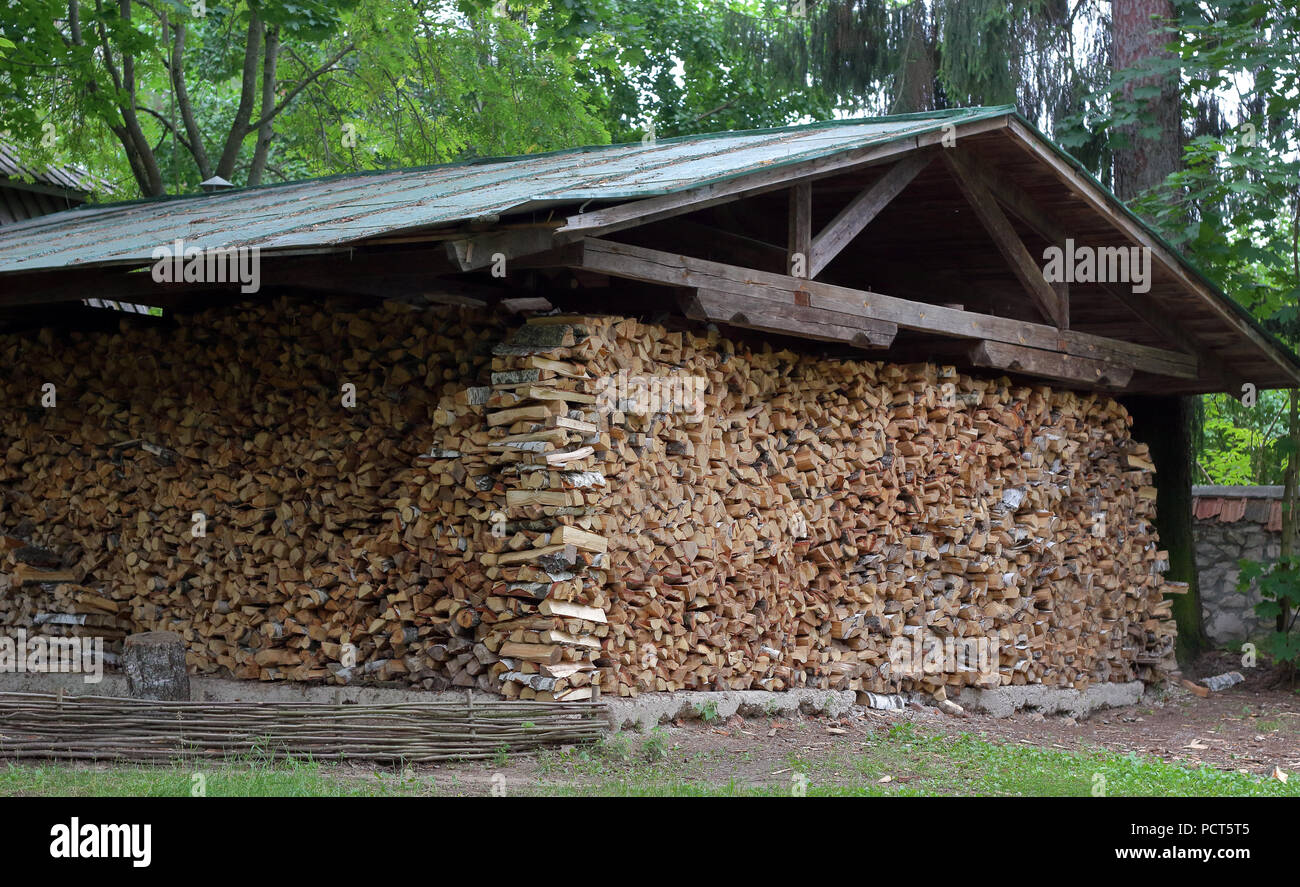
<point>974,194</point>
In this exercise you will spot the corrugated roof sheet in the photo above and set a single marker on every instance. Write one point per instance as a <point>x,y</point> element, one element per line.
<point>69,177</point>
<point>340,209</point>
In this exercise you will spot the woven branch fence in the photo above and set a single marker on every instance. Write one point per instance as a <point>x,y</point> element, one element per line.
<point>39,725</point>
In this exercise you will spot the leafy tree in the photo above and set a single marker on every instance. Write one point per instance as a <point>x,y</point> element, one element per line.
<point>171,94</point>
<point>677,66</point>
<point>1243,445</point>
<point>83,70</point>
<point>1235,205</point>
<point>434,82</point>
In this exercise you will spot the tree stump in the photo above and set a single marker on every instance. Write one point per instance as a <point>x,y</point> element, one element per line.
<point>154,662</point>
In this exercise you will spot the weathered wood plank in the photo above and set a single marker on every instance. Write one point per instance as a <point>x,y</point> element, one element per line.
<point>638,263</point>
<point>1050,364</point>
<point>850,221</point>
<point>811,323</point>
<point>995,222</point>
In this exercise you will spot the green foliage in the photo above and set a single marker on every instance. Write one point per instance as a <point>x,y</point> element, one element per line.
<point>1279,589</point>
<point>707,711</point>
<point>676,67</point>
<point>615,748</point>
<point>1234,208</point>
<point>655,746</point>
<point>1243,445</point>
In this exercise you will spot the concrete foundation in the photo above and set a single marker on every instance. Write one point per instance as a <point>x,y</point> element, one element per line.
<point>1002,702</point>
<point>639,713</point>
<point>648,710</point>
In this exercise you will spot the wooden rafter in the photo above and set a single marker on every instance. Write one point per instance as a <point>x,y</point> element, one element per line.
<point>1014,199</point>
<point>861,210</point>
<point>652,209</point>
<point>771,292</point>
<point>1049,299</point>
<point>1097,199</point>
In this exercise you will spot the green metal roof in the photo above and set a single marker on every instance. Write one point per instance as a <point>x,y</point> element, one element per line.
<point>333,211</point>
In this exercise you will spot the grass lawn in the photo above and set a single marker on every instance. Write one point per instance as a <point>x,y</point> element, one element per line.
<point>897,761</point>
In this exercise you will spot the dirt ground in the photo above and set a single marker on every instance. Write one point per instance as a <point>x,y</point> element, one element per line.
<point>1252,727</point>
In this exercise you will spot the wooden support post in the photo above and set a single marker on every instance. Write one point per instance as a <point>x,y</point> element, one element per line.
<point>1163,423</point>
<point>799,242</point>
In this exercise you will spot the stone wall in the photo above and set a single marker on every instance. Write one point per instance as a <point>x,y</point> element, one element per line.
<point>1233,523</point>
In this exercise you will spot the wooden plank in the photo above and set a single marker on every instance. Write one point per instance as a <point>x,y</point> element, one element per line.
<point>638,263</point>
<point>1028,271</point>
<point>798,320</point>
<point>799,240</point>
<point>1050,364</point>
<point>851,220</point>
<point>653,209</point>
<point>1081,185</point>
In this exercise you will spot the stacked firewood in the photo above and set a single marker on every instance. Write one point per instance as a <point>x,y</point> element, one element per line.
<point>788,521</point>
<point>232,475</point>
<point>516,510</point>
<point>581,505</point>
<point>42,598</point>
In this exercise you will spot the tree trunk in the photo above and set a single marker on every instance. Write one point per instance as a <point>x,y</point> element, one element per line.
<point>266,132</point>
<point>1165,424</point>
<point>1145,162</point>
<point>914,89</point>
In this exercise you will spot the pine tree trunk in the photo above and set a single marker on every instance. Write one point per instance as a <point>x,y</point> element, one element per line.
<point>1167,427</point>
<point>1135,39</point>
<point>1164,424</point>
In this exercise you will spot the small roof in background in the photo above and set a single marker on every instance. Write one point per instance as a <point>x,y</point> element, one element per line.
<point>69,177</point>
<point>1230,505</point>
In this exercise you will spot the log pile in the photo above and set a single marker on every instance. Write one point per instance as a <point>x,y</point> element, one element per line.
<point>517,507</point>
<point>232,476</point>
<point>582,505</point>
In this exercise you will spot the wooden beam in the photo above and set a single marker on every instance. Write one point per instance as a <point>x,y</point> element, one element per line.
<point>1082,185</point>
<point>1027,270</point>
<point>791,320</point>
<point>761,181</point>
<point>783,291</point>
<point>850,221</point>
<point>1050,364</point>
<point>387,274</point>
<point>471,253</point>
<point>799,240</point>
<point>1014,199</point>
